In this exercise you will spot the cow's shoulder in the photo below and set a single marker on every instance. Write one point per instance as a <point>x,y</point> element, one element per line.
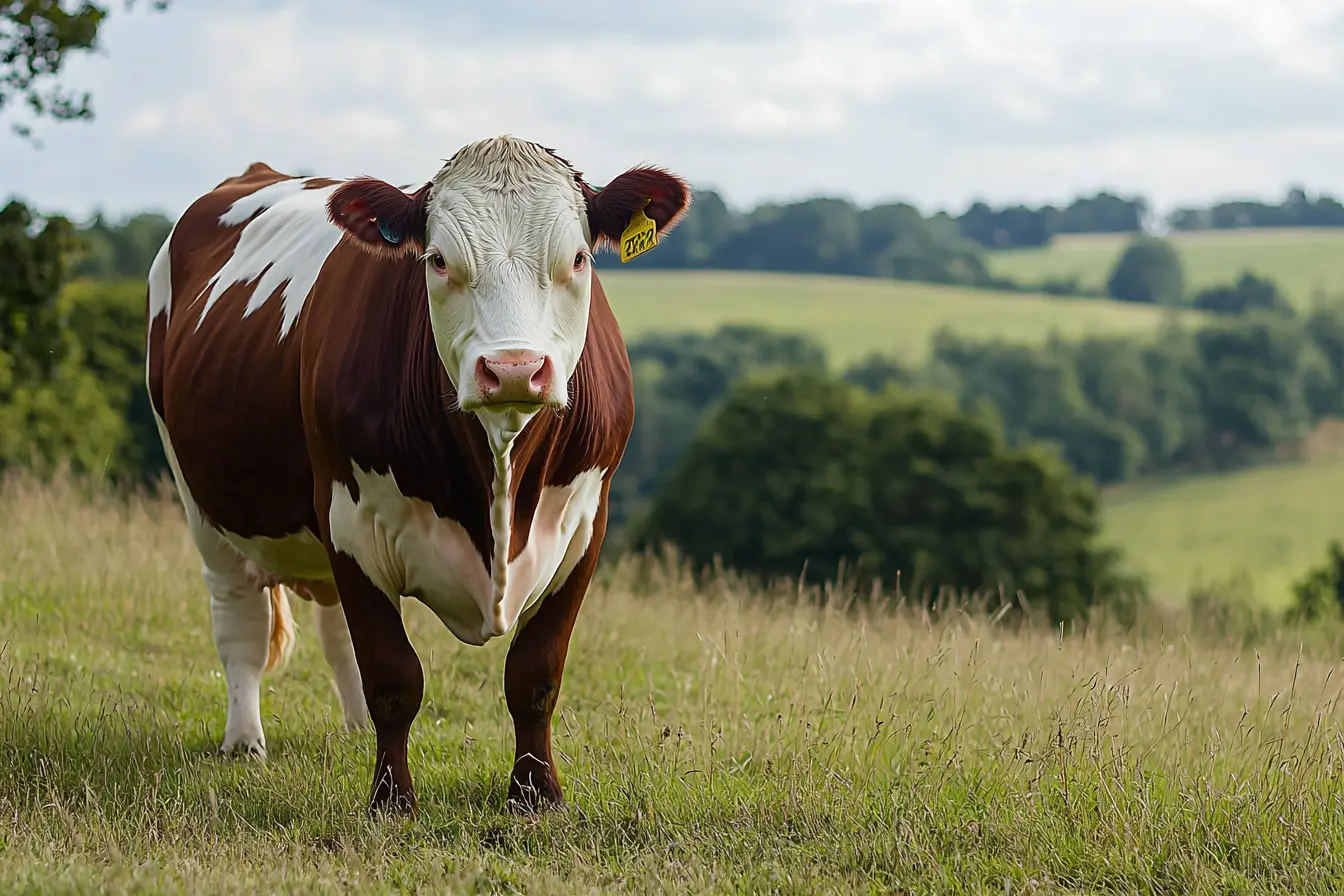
<point>374,392</point>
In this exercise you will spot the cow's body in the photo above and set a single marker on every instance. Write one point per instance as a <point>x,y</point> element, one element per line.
<point>308,408</point>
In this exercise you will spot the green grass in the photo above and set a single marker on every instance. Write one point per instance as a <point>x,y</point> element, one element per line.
<point>853,316</point>
<point>1270,523</point>
<point>710,740</point>
<point>1303,261</point>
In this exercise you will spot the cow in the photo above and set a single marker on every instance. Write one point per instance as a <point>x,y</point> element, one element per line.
<point>367,392</point>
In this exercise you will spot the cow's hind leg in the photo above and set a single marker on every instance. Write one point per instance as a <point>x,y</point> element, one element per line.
<point>334,634</point>
<point>252,626</point>
<point>240,616</point>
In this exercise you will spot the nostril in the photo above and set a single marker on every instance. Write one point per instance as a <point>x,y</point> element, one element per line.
<point>542,378</point>
<point>486,376</point>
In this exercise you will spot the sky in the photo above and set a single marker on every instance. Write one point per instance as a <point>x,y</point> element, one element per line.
<point>934,102</point>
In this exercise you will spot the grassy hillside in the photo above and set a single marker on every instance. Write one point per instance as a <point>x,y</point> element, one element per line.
<point>1301,260</point>
<point>1270,522</point>
<point>852,316</point>
<point>710,742</point>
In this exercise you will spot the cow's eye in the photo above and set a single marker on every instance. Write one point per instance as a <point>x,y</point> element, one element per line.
<point>580,258</point>
<point>437,260</point>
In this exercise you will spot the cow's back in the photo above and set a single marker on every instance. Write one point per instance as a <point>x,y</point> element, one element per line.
<point>223,376</point>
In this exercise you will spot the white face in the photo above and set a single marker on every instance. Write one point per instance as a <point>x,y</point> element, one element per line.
<point>509,274</point>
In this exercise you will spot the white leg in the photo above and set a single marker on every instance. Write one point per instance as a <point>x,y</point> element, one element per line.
<point>240,615</point>
<point>334,634</point>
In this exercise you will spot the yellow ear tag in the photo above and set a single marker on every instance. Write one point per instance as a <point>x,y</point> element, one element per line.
<point>640,235</point>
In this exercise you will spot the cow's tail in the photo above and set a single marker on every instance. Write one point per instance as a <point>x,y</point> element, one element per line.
<point>282,628</point>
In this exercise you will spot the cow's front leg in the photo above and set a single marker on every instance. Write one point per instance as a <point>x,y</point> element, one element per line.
<point>390,672</point>
<point>532,673</point>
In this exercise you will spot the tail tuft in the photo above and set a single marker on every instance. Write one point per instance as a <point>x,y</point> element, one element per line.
<point>282,629</point>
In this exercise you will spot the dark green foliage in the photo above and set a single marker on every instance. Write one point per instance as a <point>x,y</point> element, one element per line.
<point>1102,213</point>
<point>1319,593</point>
<point>1005,228</point>
<point>1248,293</point>
<point>1296,210</point>
<point>1253,381</point>
<point>821,235</point>
<point>1235,390</point>
<point>33,256</point>
<point>1019,226</point>
<point>678,378</point>
<point>1037,394</point>
<point>805,471</point>
<point>122,250</point>
<point>108,319</point>
<point>53,408</point>
<point>1325,389</point>
<point>1149,271</point>
<point>37,37</point>
<point>875,373</point>
<point>772,481</point>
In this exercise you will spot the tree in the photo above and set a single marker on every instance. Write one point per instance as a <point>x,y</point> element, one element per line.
<point>1248,293</point>
<point>33,264</point>
<point>1255,383</point>
<point>1006,228</point>
<point>1037,395</point>
<point>1102,213</point>
<point>799,470</point>
<point>52,407</point>
<point>36,39</point>
<point>1149,270</point>
<point>679,377</point>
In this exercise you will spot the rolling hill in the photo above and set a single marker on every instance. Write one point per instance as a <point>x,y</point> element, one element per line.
<point>1271,523</point>
<point>1302,260</point>
<point>853,316</point>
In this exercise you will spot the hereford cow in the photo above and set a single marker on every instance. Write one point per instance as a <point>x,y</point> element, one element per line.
<point>366,392</point>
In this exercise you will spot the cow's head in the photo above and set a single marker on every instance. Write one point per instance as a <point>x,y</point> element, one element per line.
<point>506,232</point>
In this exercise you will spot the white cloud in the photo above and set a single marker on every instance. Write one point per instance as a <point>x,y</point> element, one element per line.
<point>1030,100</point>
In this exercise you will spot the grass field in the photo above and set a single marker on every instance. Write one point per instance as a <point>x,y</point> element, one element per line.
<point>1271,523</point>
<point>710,741</point>
<point>853,316</point>
<point>1302,261</point>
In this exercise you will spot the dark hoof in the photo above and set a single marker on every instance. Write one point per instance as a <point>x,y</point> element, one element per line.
<point>244,749</point>
<point>392,800</point>
<point>397,806</point>
<point>533,790</point>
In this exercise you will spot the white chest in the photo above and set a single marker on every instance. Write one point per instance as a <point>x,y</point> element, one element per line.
<point>406,549</point>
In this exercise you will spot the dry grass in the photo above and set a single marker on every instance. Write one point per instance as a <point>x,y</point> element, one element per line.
<point>712,739</point>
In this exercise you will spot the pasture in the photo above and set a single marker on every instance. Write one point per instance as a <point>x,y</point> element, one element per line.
<point>1269,523</point>
<point>717,739</point>
<point>1303,261</point>
<point>852,317</point>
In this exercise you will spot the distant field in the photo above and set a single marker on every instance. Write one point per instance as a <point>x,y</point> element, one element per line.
<point>1301,260</point>
<point>853,316</point>
<point>1271,522</point>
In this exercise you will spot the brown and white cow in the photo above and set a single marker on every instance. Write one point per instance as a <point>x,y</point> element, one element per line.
<point>367,392</point>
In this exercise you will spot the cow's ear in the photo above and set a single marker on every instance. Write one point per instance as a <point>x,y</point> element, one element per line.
<point>619,208</point>
<point>380,216</point>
